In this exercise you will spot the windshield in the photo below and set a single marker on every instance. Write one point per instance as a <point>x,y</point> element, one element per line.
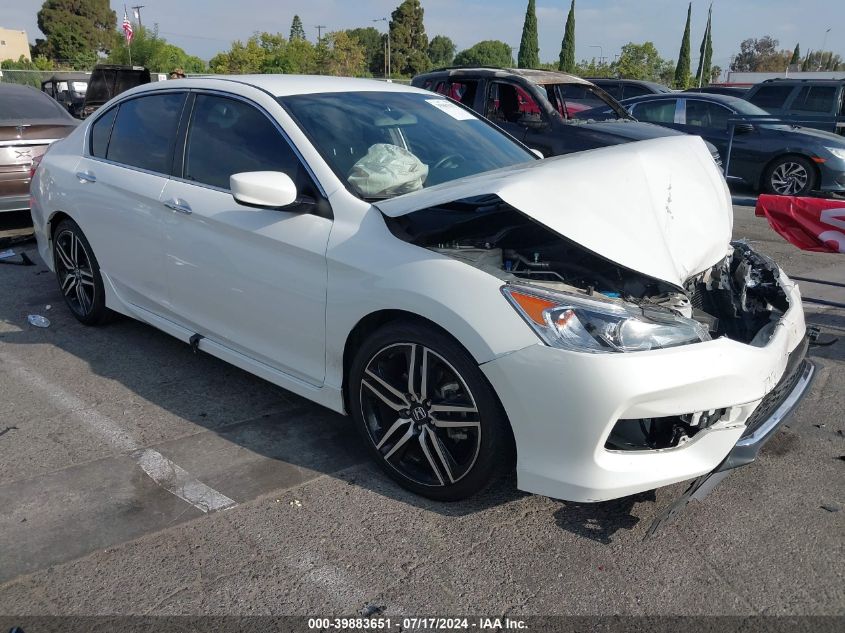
<point>384,144</point>
<point>744,107</point>
<point>20,104</point>
<point>583,101</point>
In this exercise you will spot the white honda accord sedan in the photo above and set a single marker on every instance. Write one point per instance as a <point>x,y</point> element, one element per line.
<point>387,253</point>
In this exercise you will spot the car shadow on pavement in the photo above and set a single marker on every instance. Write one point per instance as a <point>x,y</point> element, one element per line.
<point>601,521</point>
<point>166,380</point>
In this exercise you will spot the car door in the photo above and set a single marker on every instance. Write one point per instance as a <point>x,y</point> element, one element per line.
<point>251,279</point>
<point>125,165</point>
<point>710,121</point>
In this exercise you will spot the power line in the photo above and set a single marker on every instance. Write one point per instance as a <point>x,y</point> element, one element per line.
<point>320,28</point>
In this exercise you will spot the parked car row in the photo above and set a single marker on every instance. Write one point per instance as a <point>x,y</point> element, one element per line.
<point>556,113</point>
<point>393,255</point>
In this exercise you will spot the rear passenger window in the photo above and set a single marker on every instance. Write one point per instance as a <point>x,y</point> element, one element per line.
<point>771,97</point>
<point>100,133</point>
<point>656,111</point>
<point>229,137</point>
<point>815,99</point>
<point>145,130</point>
<point>635,91</point>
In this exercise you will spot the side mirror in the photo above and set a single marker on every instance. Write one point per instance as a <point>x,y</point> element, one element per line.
<point>743,128</point>
<point>263,188</point>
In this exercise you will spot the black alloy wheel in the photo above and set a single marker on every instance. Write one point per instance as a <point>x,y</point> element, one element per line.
<point>78,274</point>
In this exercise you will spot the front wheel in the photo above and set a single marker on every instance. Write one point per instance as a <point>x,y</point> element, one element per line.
<point>427,414</point>
<point>790,176</point>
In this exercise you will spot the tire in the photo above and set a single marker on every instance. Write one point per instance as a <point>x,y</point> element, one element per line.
<point>78,274</point>
<point>445,439</point>
<point>790,176</point>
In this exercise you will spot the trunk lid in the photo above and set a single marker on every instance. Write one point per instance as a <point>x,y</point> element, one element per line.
<point>660,207</point>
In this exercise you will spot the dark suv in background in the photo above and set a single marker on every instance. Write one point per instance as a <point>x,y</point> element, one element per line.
<point>107,81</point>
<point>549,111</point>
<point>799,98</point>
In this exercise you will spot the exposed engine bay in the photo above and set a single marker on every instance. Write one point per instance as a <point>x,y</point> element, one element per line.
<point>740,297</point>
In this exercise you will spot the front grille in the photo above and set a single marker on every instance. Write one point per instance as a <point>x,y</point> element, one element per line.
<point>696,297</point>
<point>773,399</point>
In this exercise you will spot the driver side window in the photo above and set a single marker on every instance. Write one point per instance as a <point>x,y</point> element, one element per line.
<point>227,137</point>
<point>508,103</point>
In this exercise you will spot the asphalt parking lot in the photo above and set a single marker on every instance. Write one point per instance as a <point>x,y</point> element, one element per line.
<point>278,510</point>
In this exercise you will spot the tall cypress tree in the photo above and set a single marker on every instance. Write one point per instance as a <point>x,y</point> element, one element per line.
<point>705,60</point>
<point>529,48</point>
<point>796,55</point>
<point>297,31</point>
<point>805,65</point>
<point>682,70</point>
<point>567,46</point>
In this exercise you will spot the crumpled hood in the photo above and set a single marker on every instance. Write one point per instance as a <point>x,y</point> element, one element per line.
<point>660,207</point>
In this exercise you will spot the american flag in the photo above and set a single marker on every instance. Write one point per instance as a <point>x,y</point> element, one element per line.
<point>127,27</point>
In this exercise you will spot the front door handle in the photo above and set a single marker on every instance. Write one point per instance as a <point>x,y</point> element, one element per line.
<point>86,176</point>
<point>177,204</point>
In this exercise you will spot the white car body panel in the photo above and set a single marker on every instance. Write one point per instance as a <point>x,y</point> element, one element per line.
<point>666,211</point>
<point>278,293</point>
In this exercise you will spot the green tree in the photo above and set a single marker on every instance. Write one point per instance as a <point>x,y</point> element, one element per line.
<point>441,51</point>
<point>76,27</point>
<point>340,54</point>
<point>796,55</point>
<point>529,48</point>
<point>705,60</point>
<point>297,31</point>
<point>590,68</point>
<point>154,52</point>
<point>374,45</point>
<point>486,53</point>
<point>682,70</point>
<point>822,60</point>
<point>408,41</point>
<point>566,62</point>
<point>760,55</point>
<point>240,58</point>
<point>640,61</point>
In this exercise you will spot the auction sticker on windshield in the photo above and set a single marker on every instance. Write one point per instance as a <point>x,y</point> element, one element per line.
<point>453,110</point>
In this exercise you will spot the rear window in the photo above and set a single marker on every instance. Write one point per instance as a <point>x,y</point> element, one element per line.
<point>815,99</point>
<point>632,90</point>
<point>145,130</point>
<point>17,104</point>
<point>769,97</point>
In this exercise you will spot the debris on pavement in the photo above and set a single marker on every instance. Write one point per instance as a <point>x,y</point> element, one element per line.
<point>38,321</point>
<point>296,503</point>
<point>8,254</point>
<point>831,507</point>
<point>7,429</point>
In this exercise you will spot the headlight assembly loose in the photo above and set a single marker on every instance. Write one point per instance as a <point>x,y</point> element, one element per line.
<point>591,325</point>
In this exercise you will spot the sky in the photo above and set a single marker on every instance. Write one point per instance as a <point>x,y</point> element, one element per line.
<point>206,27</point>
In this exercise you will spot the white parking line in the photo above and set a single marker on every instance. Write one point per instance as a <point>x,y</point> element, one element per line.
<point>161,470</point>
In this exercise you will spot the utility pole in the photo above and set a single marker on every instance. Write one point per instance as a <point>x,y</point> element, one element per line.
<point>137,9</point>
<point>821,52</point>
<point>320,28</point>
<point>387,72</point>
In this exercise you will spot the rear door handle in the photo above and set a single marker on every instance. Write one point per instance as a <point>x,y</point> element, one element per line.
<point>86,176</point>
<point>177,204</point>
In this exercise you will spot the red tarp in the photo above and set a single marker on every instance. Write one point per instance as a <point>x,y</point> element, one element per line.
<point>811,224</point>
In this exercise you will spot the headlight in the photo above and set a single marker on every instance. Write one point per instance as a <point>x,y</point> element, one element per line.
<point>839,152</point>
<point>591,325</point>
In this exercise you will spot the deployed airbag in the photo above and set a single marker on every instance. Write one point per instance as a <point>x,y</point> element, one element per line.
<point>387,170</point>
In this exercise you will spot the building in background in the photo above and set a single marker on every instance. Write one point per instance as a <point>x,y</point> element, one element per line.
<point>13,44</point>
<point>745,79</point>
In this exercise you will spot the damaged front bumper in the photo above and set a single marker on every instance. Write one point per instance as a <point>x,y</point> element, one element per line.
<point>563,406</point>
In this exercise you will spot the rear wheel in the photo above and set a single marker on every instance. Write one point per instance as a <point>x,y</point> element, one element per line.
<point>790,176</point>
<point>427,414</point>
<point>78,274</point>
